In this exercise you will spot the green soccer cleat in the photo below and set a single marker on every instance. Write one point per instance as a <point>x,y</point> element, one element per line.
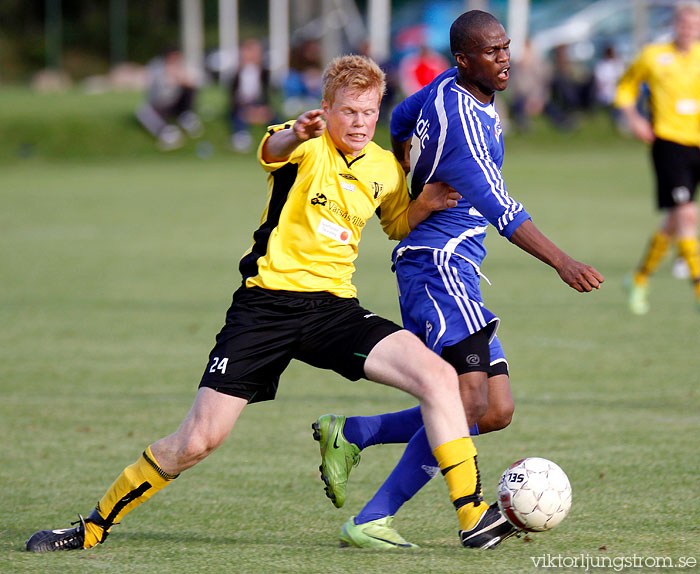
<point>376,534</point>
<point>636,296</point>
<point>338,456</point>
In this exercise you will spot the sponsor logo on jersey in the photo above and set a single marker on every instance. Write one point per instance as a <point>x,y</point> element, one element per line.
<point>340,211</point>
<point>422,131</point>
<point>320,199</point>
<point>348,176</point>
<point>377,188</point>
<point>665,59</point>
<point>334,231</point>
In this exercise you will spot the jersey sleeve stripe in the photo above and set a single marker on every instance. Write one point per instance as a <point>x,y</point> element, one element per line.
<point>442,118</point>
<point>474,135</point>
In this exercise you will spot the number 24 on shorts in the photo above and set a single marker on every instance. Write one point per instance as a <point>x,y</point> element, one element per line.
<point>218,364</point>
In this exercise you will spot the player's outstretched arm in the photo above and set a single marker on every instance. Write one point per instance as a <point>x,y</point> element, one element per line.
<point>280,145</point>
<point>434,197</point>
<point>575,274</point>
<point>638,124</point>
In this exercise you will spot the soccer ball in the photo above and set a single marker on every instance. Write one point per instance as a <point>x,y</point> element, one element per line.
<point>534,494</point>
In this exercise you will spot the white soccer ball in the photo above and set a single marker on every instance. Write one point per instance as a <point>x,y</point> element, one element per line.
<point>534,494</point>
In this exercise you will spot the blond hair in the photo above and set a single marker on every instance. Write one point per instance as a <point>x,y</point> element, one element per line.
<point>355,73</point>
<point>687,6</point>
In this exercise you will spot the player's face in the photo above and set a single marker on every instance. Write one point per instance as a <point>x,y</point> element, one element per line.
<point>485,63</point>
<point>351,119</point>
<point>687,28</point>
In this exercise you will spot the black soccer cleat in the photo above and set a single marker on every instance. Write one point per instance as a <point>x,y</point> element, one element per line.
<point>64,539</point>
<point>492,529</point>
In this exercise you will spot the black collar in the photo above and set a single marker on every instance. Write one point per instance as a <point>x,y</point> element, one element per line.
<point>349,163</point>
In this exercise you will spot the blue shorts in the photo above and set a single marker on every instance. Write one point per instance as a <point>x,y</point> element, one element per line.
<point>441,301</point>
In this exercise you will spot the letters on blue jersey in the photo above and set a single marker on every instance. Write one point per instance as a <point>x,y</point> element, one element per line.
<point>457,140</point>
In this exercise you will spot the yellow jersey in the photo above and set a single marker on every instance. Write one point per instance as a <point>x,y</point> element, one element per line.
<point>673,79</point>
<point>319,200</point>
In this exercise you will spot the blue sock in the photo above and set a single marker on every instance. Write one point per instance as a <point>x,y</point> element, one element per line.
<point>416,467</point>
<point>389,428</point>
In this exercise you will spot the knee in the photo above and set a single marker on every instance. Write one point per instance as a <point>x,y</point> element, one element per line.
<point>438,380</point>
<point>502,415</point>
<point>195,447</point>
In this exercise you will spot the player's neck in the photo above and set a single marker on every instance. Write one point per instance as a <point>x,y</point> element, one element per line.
<point>475,91</point>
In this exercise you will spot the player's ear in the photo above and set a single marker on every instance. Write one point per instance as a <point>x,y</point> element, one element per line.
<point>461,60</point>
<point>325,106</point>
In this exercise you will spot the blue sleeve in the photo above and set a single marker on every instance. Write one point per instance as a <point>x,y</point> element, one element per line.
<point>478,179</point>
<point>405,115</point>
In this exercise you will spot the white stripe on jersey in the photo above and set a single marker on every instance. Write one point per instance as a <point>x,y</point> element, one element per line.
<point>452,244</point>
<point>442,118</point>
<point>443,326</point>
<point>474,136</point>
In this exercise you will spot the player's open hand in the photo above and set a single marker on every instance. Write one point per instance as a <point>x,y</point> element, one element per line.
<point>309,125</point>
<point>580,276</point>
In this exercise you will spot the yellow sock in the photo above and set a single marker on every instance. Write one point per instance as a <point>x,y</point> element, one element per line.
<point>457,460</point>
<point>136,484</point>
<point>689,249</point>
<point>658,246</point>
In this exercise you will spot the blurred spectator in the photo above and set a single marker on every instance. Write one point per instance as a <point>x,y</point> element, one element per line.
<point>249,95</point>
<point>302,86</point>
<point>529,85</point>
<point>606,73</point>
<point>418,69</point>
<point>169,112</point>
<point>571,90</point>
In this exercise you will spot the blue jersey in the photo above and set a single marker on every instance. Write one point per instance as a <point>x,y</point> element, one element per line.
<point>457,140</point>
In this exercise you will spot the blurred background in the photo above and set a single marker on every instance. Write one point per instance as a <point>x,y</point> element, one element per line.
<point>246,63</point>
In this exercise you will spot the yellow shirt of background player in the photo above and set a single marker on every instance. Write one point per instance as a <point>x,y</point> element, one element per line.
<point>673,78</point>
<point>319,200</point>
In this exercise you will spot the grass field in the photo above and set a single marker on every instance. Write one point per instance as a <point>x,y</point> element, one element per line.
<point>115,274</point>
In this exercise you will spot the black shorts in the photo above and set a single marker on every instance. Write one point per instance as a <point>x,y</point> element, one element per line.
<point>677,170</point>
<point>266,329</point>
<point>472,354</point>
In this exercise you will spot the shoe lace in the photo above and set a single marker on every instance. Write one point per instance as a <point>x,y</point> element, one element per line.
<point>71,537</point>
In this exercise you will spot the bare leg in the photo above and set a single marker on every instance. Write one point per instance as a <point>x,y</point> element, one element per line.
<point>205,427</point>
<point>500,405</point>
<point>401,360</point>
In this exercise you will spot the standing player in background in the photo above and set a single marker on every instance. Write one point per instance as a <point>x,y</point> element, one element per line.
<point>297,300</point>
<point>672,73</point>
<point>457,139</point>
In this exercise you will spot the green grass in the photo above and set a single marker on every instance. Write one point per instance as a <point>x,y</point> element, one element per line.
<point>115,274</point>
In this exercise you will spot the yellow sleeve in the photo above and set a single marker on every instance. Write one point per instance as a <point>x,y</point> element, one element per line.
<point>297,154</point>
<point>628,86</point>
<point>393,209</point>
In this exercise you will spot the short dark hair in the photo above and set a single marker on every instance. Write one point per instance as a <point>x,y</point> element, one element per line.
<point>463,28</point>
